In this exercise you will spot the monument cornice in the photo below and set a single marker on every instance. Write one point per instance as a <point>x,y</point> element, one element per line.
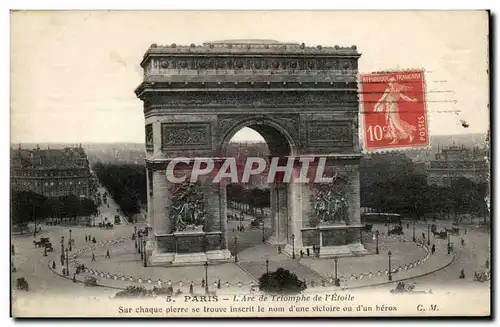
<point>243,48</point>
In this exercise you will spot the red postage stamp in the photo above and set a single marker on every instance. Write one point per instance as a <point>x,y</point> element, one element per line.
<point>394,110</point>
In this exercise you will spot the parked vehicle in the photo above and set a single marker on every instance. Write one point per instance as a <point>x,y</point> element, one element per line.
<point>398,230</point>
<point>22,284</point>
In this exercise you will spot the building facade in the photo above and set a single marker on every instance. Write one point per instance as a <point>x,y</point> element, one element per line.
<point>52,172</point>
<point>458,161</point>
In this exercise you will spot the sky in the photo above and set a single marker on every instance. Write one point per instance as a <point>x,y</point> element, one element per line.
<point>73,74</point>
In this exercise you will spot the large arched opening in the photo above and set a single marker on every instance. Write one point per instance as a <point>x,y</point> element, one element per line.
<point>258,210</point>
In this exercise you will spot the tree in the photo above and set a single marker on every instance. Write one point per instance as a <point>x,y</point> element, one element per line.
<point>126,184</point>
<point>260,199</point>
<point>281,281</point>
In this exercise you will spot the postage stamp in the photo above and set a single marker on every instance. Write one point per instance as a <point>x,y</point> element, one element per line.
<point>394,110</point>
<point>183,165</point>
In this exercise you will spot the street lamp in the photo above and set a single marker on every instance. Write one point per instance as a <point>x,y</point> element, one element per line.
<point>267,266</point>
<point>263,228</point>
<point>376,242</point>
<point>337,281</point>
<point>414,239</point>
<point>141,250</point>
<point>206,277</point>
<point>67,263</point>
<point>293,246</point>
<point>235,248</point>
<point>143,253</point>
<point>135,236</point>
<point>448,242</point>
<point>70,247</point>
<point>390,269</point>
<point>388,226</point>
<point>428,234</point>
<point>138,241</point>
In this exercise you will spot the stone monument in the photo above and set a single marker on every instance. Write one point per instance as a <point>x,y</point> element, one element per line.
<point>303,101</point>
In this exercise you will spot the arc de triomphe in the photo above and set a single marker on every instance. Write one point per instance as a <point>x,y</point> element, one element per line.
<point>302,100</point>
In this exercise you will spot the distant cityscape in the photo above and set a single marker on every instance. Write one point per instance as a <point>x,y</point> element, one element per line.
<point>33,165</point>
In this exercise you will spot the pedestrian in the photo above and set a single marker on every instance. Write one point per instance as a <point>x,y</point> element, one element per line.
<point>423,236</point>
<point>202,282</point>
<point>301,254</point>
<point>279,249</point>
<point>93,257</point>
<point>93,240</point>
<point>12,249</point>
<point>307,250</point>
<point>107,254</point>
<point>462,274</point>
<point>53,265</point>
<point>463,242</point>
<point>465,231</point>
<point>85,237</point>
<point>487,264</point>
<point>74,278</point>
<point>433,249</point>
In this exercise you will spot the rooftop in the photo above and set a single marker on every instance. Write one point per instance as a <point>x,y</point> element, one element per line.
<point>69,157</point>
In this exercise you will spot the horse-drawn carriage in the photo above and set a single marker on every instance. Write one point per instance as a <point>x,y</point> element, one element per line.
<point>398,230</point>
<point>42,243</point>
<point>442,234</point>
<point>22,284</point>
<point>455,230</point>
<point>48,246</point>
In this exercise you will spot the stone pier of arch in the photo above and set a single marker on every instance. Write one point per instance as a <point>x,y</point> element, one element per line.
<point>302,100</point>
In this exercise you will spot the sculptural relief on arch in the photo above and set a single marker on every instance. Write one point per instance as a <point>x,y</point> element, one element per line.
<point>302,100</point>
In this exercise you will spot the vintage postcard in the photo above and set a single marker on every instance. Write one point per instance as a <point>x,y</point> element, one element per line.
<point>250,164</point>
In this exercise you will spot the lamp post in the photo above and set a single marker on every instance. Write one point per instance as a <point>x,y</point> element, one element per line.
<point>293,246</point>
<point>376,242</point>
<point>140,245</point>
<point>236,249</point>
<point>67,263</point>
<point>206,277</point>
<point>388,226</point>
<point>135,236</point>
<point>428,234</point>
<point>70,247</point>
<point>62,245</point>
<point>336,261</point>
<point>448,242</point>
<point>139,238</point>
<point>414,239</point>
<point>267,266</point>
<point>143,253</point>
<point>390,269</point>
<point>264,228</point>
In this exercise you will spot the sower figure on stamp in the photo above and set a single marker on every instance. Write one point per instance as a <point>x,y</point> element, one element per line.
<point>397,129</point>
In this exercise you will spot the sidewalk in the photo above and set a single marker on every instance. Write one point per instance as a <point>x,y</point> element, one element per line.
<point>125,263</point>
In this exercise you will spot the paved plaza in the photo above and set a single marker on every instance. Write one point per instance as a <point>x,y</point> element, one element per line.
<point>409,260</point>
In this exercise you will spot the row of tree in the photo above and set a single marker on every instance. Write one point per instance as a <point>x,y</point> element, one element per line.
<point>249,200</point>
<point>126,184</point>
<point>395,184</point>
<point>28,206</point>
